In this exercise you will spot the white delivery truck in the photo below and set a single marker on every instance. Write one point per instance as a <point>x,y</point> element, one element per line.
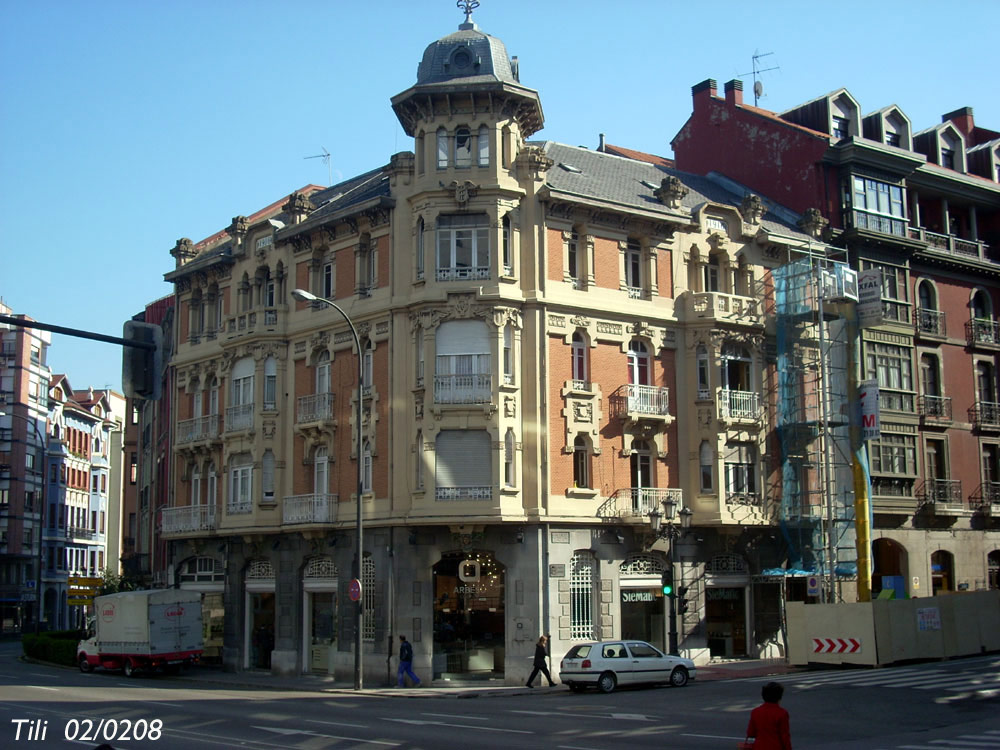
<point>143,630</point>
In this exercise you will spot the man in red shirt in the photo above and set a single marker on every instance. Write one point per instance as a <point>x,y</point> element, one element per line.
<point>769,721</point>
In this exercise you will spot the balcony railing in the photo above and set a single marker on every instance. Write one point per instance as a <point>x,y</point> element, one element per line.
<point>463,274</point>
<point>315,408</point>
<point>952,245</point>
<point>983,331</point>
<point>80,532</point>
<point>944,492</point>
<point>752,499</point>
<point>316,508</point>
<point>239,506</point>
<point>878,223</point>
<point>936,407</point>
<point>731,307</point>
<point>239,417</point>
<point>740,405</point>
<point>985,414</point>
<point>639,501</point>
<point>640,400</point>
<point>484,492</point>
<point>463,389</point>
<point>929,322</point>
<point>197,429</point>
<point>188,518</point>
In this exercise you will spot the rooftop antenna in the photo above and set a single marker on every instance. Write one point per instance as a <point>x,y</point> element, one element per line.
<point>758,86</point>
<point>325,156</point>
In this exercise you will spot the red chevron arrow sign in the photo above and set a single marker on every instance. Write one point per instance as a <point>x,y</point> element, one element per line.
<point>836,645</point>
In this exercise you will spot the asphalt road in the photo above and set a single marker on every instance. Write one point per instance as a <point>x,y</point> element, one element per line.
<point>936,705</point>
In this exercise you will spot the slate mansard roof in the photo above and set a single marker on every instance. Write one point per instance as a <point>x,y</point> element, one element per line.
<point>593,175</point>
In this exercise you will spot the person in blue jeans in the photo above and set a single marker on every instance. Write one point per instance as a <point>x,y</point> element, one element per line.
<point>406,663</point>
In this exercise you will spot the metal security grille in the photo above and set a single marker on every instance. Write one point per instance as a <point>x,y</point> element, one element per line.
<point>368,589</point>
<point>581,616</point>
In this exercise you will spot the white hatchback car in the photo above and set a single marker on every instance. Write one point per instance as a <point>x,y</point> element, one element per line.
<point>609,664</point>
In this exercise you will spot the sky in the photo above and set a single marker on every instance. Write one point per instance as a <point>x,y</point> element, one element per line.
<point>125,126</point>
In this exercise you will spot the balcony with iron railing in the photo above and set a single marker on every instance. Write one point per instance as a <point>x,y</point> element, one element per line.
<point>188,518</point>
<point>988,495</point>
<point>894,225</point>
<point>239,417</point>
<point>197,430</point>
<point>728,308</point>
<point>739,406</point>
<point>985,415</point>
<point>636,503</point>
<point>463,273</point>
<point>983,332</point>
<point>943,495</point>
<point>470,492</point>
<point>949,244</point>
<point>747,499</point>
<point>315,408</point>
<point>315,508</point>
<point>929,323</point>
<point>81,532</point>
<point>635,402</point>
<point>463,389</point>
<point>935,408</point>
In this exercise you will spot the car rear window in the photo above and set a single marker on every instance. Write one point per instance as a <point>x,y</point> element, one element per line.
<point>579,651</point>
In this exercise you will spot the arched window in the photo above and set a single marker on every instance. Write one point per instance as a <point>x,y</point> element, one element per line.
<point>508,354</point>
<point>942,572</point>
<point>463,147</point>
<point>638,363</point>
<point>420,248</point>
<point>706,460</point>
<point>581,597</point>
<point>982,306</point>
<point>929,320</point>
<point>270,383</point>
<point>581,462</point>
<point>211,487</point>
<point>321,471</point>
<point>195,485</point>
<point>419,467</point>
<point>508,252</point>
<point>926,295</point>
<point>483,146</point>
<point>579,356</point>
<point>267,475</point>
<point>366,467</point>
<point>442,148</point>
<point>508,459</point>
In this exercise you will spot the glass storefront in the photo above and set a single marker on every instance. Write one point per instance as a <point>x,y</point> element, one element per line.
<point>643,611</point>
<point>468,615</point>
<point>725,621</point>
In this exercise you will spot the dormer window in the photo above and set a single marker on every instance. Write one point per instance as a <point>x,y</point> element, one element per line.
<point>841,127</point>
<point>948,158</point>
<point>892,139</point>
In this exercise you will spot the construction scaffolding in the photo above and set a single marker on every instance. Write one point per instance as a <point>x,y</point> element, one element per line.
<point>814,402</point>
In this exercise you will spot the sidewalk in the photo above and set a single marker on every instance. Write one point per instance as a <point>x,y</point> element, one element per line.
<point>375,684</point>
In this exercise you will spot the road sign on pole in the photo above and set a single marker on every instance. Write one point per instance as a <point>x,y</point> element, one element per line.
<point>354,590</point>
<point>812,586</point>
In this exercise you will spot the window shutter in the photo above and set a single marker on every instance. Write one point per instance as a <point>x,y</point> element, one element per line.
<point>463,459</point>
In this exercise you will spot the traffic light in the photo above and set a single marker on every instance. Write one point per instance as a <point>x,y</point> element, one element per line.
<point>682,602</point>
<point>142,366</point>
<point>667,580</point>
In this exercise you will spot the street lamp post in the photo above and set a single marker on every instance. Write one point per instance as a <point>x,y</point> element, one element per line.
<point>669,530</point>
<point>41,515</point>
<point>303,296</point>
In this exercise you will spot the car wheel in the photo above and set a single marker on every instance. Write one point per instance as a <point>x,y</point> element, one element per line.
<point>607,682</point>
<point>128,668</point>
<point>679,677</point>
<point>85,666</point>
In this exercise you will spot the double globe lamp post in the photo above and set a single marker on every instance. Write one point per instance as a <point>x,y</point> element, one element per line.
<point>663,527</point>
<point>303,296</point>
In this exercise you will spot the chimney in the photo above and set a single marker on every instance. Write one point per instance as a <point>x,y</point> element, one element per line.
<point>703,91</point>
<point>734,93</point>
<point>963,120</point>
<point>600,145</point>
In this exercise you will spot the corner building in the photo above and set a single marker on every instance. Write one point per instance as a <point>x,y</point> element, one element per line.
<point>554,341</point>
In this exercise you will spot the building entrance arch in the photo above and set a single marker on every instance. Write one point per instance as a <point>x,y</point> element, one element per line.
<point>891,566</point>
<point>469,620</point>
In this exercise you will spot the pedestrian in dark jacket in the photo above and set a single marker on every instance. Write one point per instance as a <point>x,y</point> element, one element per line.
<point>406,663</point>
<point>539,663</point>
<point>769,721</point>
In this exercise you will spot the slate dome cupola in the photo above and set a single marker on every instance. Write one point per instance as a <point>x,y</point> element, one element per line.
<point>468,61</point>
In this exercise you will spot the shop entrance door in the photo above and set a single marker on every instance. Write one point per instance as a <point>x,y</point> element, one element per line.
<point>643,615</point>
<point>469,615</point>
<point>726,621</point>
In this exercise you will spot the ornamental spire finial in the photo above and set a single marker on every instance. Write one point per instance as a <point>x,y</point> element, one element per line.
<point>468,6</point>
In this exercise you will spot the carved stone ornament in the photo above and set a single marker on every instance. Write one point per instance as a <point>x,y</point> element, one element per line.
<point>752,208</point>
<point>238,229</point>
<point>583,411</point>
<point>671,192</point>
<point>509,406</point>
<point>463,190</point>
<point>183,251</point>
<point>813,223</point>
<point>298,205</point>
<point>534,160</point>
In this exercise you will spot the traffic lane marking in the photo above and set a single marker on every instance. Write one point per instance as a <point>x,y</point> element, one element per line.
<point>420,722</point>
<point>338,724</point>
